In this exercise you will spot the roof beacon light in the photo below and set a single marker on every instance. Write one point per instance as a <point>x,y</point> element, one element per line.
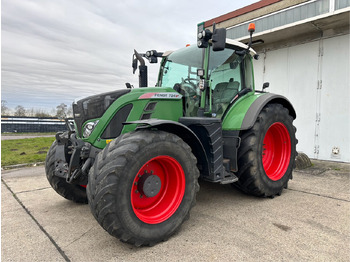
<point>251,28</point>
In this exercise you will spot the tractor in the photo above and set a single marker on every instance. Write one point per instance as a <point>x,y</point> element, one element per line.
<point>135,155</point>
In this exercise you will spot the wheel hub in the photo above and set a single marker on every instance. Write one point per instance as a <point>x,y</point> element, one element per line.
<point>149,185</point>
<point>158,189</point>
<point>276,151</point>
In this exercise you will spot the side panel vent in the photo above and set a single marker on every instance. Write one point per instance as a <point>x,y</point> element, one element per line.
<point>115,126</point>
<point>146,116</point>
<point>150,106</point>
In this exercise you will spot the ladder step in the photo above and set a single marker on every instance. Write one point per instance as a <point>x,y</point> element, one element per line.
<point>229,178</point>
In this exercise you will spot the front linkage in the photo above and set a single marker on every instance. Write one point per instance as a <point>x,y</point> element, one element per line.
<point>73,158</point>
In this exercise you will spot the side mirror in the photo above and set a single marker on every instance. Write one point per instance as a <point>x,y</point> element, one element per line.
<point>134,64</point>
<point>219,39</point>
<point>265,85</point>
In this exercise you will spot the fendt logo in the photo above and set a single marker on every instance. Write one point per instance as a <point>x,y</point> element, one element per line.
<point>161,96</point>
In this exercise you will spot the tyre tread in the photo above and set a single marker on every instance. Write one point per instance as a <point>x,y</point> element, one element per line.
<point>100,187</point>
<point>249,173</point>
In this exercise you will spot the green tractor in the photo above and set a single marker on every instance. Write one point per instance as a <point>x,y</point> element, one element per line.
<point>135,155</point>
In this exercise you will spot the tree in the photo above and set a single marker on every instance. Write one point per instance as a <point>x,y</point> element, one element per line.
<point>41,113</point>
<point>20,111</point>
<point>61,111</point>
<point>30,112</point>
<point>4,108</point>
<point>38,112</point>
<point>70,111</point>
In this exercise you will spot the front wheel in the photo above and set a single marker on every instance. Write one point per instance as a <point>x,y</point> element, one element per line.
<point>267,153</point>
<point>142,186</point>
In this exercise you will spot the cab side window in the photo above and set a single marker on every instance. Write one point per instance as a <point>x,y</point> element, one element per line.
<point>249,76</point>
<point>225,84</point>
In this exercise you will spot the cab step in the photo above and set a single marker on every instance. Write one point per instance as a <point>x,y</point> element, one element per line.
<point>229,178</point>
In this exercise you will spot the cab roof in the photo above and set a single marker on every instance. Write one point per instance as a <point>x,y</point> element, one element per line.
<point>230,42</point>
<point>239,44</point>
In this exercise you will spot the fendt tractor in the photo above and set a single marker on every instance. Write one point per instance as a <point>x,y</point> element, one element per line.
<point>136,154</point>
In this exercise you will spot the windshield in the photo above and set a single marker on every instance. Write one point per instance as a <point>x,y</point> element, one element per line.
<point>179,71</point>
<point>181,66</point>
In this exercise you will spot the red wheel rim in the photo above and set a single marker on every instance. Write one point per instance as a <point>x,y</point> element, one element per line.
<point>276,151</point>
<point>156,209</point>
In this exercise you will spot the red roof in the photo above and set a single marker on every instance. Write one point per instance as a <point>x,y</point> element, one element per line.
<point>240,11</point>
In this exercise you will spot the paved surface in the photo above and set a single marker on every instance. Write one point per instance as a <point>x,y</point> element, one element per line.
<point>309,222</point>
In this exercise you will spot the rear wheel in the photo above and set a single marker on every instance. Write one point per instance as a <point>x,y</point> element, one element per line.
<point>76,193</point>
<point>267,153</point>
<point>142,186</point>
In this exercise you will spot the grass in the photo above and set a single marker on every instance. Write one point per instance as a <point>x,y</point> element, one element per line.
<point>28,134</point>
<point>23,151</point>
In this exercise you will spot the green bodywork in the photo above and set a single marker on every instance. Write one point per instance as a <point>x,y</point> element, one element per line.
<point>168,109</point>
<point>234,117</point>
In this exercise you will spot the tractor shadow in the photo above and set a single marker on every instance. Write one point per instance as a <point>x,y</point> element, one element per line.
<point>213,193</point>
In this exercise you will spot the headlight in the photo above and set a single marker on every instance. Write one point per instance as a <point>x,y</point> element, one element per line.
<point>89,127</point>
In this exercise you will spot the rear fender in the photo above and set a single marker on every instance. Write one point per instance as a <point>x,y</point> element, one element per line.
<point>243,114</point>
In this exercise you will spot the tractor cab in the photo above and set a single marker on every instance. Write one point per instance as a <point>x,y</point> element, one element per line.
<point>209,81</point>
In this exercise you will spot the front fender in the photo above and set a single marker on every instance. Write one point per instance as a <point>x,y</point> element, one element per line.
<point>181,131</point>
<point>243,114</point>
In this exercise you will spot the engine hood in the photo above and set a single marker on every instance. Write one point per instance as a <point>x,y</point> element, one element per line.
<point>94,107</point>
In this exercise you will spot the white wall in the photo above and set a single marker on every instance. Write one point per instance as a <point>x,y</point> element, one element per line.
<point>315,78</point>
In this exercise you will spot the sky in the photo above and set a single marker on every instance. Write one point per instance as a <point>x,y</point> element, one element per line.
<point>54,52</point>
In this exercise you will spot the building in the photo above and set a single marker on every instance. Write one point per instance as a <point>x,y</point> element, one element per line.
<point>23,124</point>
<point>304,55</point>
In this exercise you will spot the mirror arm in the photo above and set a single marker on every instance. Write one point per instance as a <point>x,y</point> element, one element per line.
<point>250,40</point>
<point>139,57</point>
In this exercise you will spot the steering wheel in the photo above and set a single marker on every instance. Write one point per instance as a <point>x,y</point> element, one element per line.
<point>189,86</point>
<point>191,101</point>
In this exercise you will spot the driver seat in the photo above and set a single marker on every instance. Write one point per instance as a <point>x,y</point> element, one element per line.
<point>223,94</point>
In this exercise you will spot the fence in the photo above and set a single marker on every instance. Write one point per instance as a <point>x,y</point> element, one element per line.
<point>13,124</point>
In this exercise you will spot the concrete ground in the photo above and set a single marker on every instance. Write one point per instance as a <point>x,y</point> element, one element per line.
<point>310,221</point>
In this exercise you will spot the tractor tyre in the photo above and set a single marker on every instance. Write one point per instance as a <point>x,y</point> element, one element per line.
<point>142,186</point>
<point>266,157</point>
<point>76,193</point>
